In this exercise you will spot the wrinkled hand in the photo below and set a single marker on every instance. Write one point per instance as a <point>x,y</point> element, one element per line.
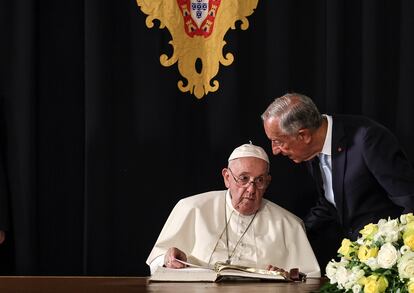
<point>170,259</point>
<point>2,236</point>
<point>294,274</point>
<point>275,268</point>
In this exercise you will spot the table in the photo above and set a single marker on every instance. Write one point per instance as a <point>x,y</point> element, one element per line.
<point>35,284</point>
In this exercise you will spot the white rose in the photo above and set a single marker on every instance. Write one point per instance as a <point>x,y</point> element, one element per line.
<point>330,270</point>
<point>356,288</point>
<point>389,230</point>
<point>406,218</point>
<point>381,222</point>
<point>348,285</point>
<point>406,265</point>
<point>353,276</point>
<point>343,262</point>
<point>404,249</point>
<point>403,219</point>
<point>360,241</point>
<point>358,272</point>
<point>372,262</point>
<point>387,256</point>
<point>341,276</point>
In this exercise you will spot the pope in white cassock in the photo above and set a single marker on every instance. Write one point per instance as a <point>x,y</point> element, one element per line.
<point>235,225</point>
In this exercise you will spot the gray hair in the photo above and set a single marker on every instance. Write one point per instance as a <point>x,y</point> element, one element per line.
<point>294,111</point>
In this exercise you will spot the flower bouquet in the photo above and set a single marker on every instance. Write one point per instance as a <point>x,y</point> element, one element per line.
<point>380,260</point>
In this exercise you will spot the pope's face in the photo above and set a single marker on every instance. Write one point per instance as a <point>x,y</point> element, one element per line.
<point>246,198</point>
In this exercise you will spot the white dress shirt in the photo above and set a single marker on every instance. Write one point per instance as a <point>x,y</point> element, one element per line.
<point>325,163</point>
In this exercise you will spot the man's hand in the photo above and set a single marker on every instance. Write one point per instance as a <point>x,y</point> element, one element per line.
<point>294,274</point>
<point>2,236</point>
<point>275,268</point>
<point>170,260</point>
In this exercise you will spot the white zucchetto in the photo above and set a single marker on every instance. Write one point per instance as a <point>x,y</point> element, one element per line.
<point>249,150</point>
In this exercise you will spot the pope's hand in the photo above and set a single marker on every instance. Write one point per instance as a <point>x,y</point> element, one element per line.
<point>2,236</point>
<point>170,259</point>
<point>274,268</point>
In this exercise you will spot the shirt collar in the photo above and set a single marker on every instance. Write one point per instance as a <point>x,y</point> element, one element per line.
<point>327,145</point>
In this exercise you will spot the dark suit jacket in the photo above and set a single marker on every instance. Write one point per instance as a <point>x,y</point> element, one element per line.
<point>371,177</point>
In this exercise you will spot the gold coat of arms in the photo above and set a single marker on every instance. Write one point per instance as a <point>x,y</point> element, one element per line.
<point>198,28</point>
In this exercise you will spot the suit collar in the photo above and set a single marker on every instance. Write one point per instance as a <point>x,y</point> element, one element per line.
<point>327,145</point>
<point>338,136</point>
<point>339,155</point>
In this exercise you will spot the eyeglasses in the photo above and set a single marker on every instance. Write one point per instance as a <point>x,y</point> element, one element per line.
<point>282,140</point>
<point>278,143</point>
<point>244,181</point>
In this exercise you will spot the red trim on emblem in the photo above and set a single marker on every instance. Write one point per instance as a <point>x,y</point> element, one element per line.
<point>206,27</point>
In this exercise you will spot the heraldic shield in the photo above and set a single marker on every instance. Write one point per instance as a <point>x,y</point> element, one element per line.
<point>198,28</point>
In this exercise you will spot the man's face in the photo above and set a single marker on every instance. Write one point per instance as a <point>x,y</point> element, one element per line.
<point>247,179</point>
<point>296,146</point>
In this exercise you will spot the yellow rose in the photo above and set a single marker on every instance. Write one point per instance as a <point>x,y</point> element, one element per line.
<point>365,252</point>
<point>409,226</point>
<point>410,287</point>
<point>375,284</point>
<point>371,286</point>
<point>346,248</point>
<point>369,231</point>
<point>382,284</point>
<point>409,217</point>
<point>362,281</point>
<point>408,237</point>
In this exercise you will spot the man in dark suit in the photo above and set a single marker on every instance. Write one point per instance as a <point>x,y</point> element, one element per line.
<point>360,170</point>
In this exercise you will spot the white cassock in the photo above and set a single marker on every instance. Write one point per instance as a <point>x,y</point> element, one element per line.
<point>197,226</point>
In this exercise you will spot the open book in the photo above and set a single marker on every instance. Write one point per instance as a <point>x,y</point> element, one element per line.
<point>222,271</point>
